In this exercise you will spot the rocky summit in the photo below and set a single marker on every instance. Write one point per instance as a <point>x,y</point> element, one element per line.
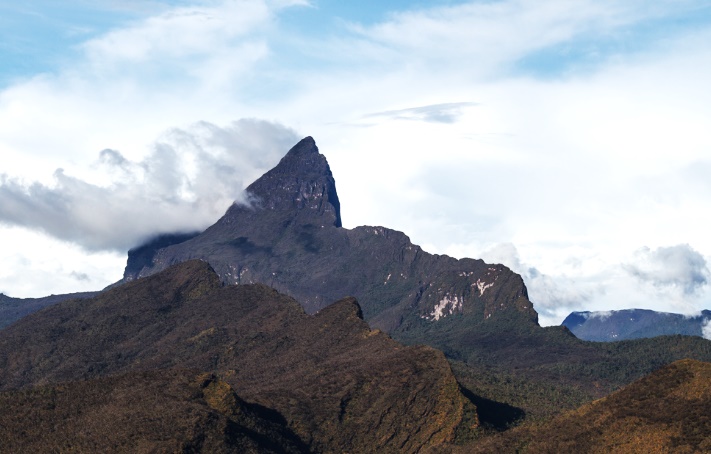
<point>290,237</point>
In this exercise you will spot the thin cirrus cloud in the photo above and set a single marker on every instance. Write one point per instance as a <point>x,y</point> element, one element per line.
<point>435,113</point>
<point>179,32</point>
<point>481,37</point>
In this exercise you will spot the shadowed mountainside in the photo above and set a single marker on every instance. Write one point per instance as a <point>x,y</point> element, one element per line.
<point>339,385</point>
<point>666,411</point>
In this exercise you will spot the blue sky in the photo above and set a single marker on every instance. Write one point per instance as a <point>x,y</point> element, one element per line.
<point>567,139</point>
<point>40,36</point>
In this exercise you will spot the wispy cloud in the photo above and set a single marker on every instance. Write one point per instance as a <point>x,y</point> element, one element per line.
<point>486,38</point>
<point>435,113</point>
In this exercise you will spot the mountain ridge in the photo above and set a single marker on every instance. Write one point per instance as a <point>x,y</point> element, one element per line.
<point>13,309</point>
<point>625,324</point>
<point>339,385</point>
<point>291,238</point>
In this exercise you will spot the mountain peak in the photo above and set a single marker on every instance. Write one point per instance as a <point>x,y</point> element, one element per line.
<point>301,180</point>
<point>304,146</point>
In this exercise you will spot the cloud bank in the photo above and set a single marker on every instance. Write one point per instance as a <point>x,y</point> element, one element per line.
<point>551,295</point>
<point>189,178</point>
<point>677,268</point>
<point>667,279</point>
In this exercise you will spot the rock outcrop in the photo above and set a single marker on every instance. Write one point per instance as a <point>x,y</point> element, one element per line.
<point>290,238</point>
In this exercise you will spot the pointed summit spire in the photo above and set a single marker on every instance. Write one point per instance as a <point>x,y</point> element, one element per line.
<point>301,181</point>
<point>305,146</point>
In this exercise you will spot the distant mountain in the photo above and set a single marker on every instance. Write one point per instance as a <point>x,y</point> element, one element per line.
<point>666,411</point>
<point>633,324</point>
<point>338,385</point>
<point>13,309</point>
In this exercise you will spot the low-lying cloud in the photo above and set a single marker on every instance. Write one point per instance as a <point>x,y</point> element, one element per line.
<point>185,183</point>
<point>550,295</point>
<point>676,268</point>
<point>706,329</point>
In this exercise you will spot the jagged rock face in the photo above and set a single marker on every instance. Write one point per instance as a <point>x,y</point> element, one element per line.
<point>291,239</point>
<point>301,183</point>
<point>340,386</point>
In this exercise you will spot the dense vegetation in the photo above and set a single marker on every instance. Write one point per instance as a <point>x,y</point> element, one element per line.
<point>545,370</point>
<point>338,385</point>
<point>150,411</point>
<point>13,309</point>
<point>667,411</point>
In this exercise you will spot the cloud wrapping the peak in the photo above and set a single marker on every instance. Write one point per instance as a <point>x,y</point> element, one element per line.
<point>185,183</point>
<point>602,315</point>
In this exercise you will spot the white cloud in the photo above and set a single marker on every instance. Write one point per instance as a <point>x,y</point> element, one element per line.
<point>602,315</point>
<point>678,269</point>
<point>35,265</point>
<point>187,181</point>
<point>554,296</point>
<point>706,329</point>
<point>486,38</point>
